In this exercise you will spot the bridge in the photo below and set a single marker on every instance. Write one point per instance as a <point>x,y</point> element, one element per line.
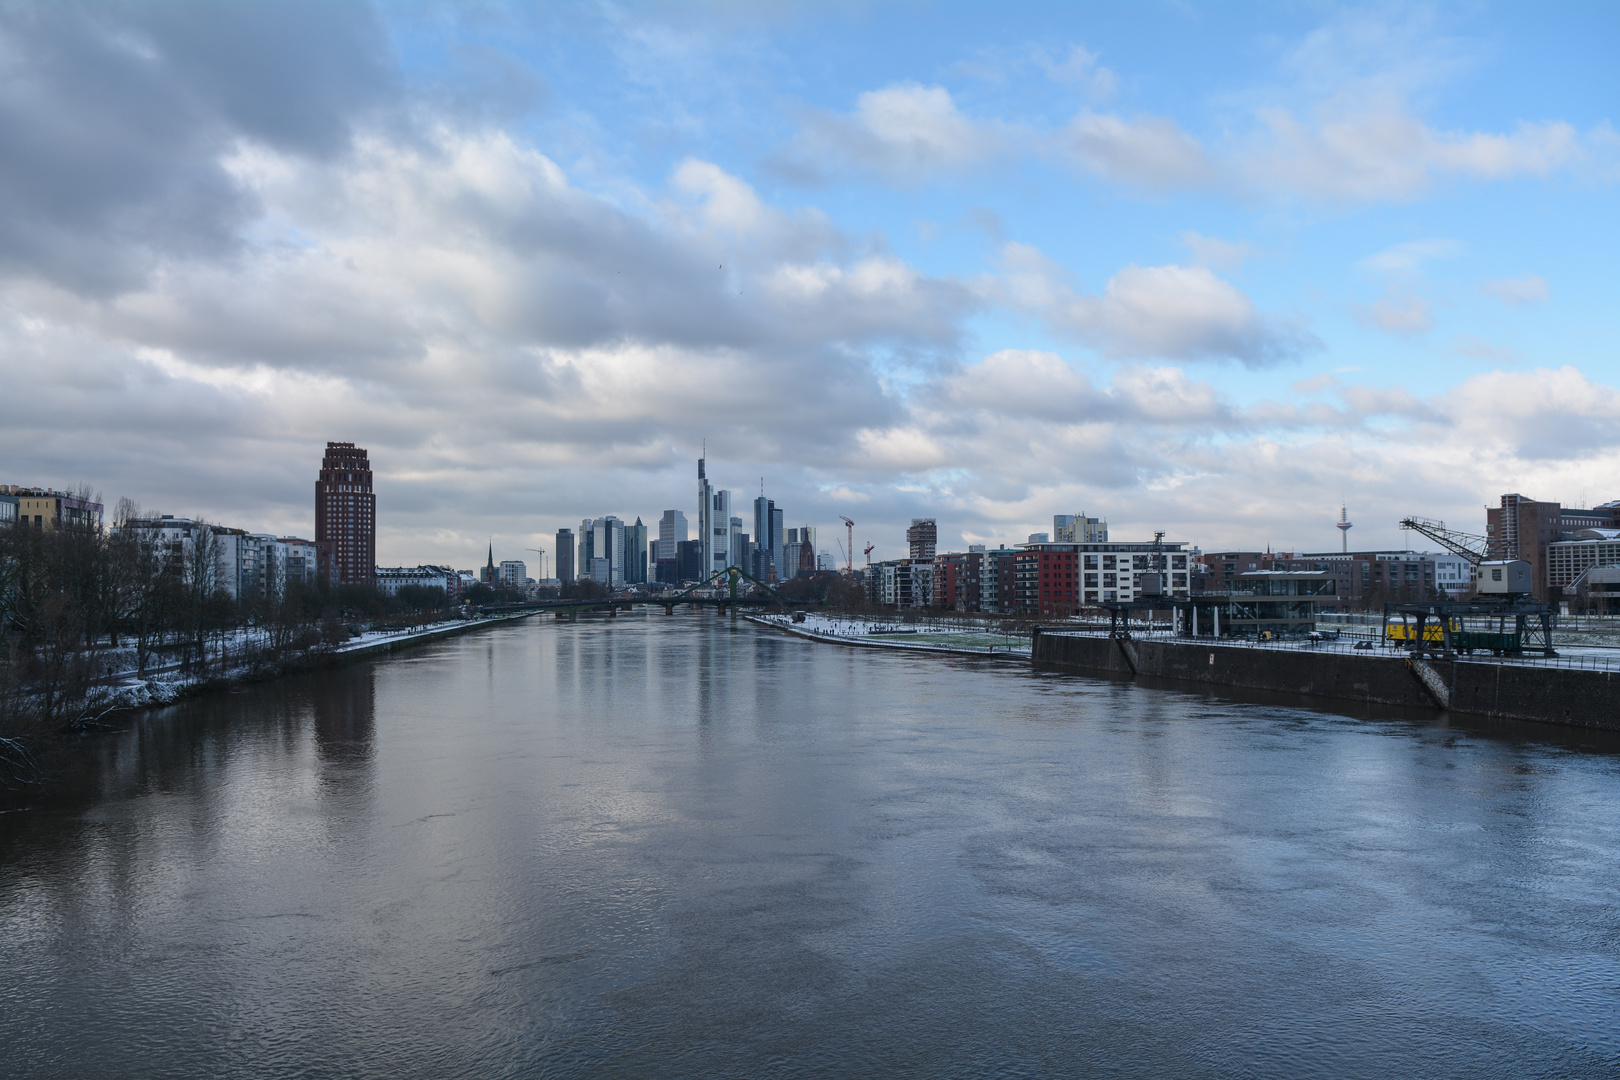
<point>570,609</point>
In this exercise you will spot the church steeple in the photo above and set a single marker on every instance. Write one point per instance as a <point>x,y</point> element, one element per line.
<point>489,570</point>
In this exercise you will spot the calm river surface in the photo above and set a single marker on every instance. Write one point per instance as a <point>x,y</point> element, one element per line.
<point>666,847</point>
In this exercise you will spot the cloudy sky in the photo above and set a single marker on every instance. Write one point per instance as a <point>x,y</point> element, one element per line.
<point>1206,268</point>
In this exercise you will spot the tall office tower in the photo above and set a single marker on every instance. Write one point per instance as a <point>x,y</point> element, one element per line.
<point>734,544</point>
<point>671,531</point>
<point>587,549</point>
<point>346,516</point>
<point>565,555</point>
<point>705,534</point>
<point>765,541</point>
<point>602,549</point>
<point>635,553</point>
<point>719,531</point>
<point>922,538</point>
<point>778,538</point>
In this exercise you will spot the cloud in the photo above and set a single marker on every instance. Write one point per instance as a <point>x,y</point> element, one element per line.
<point>115,119</point>
<point>901,133</point>
<point>1078,68</point>
<point>1398,312</point>
<point>1529,289</point>
<point>1377,151</point>
<point>1408,258</point>
<point>1151,151</point>
<point>1154,312</point>
<point>1218,254</point>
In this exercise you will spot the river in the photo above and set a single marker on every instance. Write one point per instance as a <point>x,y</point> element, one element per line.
<point>673,846</point>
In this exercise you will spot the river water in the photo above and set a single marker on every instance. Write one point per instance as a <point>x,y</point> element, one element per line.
<point>667,846</point>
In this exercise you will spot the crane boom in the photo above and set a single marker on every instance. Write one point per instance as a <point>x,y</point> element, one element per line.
<point>1474,548</point>
<point>849,557</point>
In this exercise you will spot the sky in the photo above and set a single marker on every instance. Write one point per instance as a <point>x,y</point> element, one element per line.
<point>1213,269</point>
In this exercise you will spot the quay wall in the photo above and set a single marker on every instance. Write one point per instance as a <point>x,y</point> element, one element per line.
<point>1547,695</point>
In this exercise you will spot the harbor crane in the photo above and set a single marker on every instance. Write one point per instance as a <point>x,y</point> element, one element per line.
<point>1476,549</point>
<point>849,552</point>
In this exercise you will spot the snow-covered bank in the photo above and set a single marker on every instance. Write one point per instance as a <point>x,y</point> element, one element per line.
<point>918,637</point>
<point>132,691</point>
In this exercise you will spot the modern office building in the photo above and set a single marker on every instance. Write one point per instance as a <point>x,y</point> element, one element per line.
<point>671,531</point>
<point>346,516</point>
<point>767,544</point>
<point>565,556</point>
<point>602,549</point>
<point>514,572</point>
<point>689,561</point>
<point>636,549</point>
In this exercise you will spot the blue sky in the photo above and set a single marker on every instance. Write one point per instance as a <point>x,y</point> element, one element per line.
<point>1206,268</point>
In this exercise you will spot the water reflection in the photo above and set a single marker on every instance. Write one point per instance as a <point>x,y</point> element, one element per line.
<point>656,845</point>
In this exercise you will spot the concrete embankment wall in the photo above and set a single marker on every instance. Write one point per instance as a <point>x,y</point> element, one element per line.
<point>1513,692</point>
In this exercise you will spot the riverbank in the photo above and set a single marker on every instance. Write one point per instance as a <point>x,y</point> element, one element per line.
<point>872,634</point>
<point>134,692</point>
<point>1490,689</point>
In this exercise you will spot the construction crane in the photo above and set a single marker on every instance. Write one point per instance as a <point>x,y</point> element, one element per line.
<point>542,553</point>
<point>1476,549</point>
<point>849,552</point>
<point>869,547</point>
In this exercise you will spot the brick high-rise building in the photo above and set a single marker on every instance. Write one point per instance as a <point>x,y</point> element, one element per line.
<point>346,516</point>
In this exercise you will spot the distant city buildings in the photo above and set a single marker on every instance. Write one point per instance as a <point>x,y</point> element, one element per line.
<point>346,516</point>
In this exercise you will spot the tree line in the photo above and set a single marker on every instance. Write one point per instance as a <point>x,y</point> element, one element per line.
<point>82,603</point>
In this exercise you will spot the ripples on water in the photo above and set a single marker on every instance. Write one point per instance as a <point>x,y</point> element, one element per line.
<point>664,847</point>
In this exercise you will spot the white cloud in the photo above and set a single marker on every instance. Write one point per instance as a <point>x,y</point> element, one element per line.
<point>1152,151</point>
<point>1358,151</point>
<point>1153,312</point>
<point>902,133</point>
<point>1079,68</point>
<point>1218,254</point>
<point>1529,289</point>
<point>1398,312</point>
<point>1408,258</point>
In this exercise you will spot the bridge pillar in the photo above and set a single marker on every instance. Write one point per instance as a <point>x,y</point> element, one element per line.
<point>573,616</point>
<point>613,611</point>
<point>669,609</point>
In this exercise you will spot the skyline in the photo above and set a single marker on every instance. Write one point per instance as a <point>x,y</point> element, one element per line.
<point>1207,273</point>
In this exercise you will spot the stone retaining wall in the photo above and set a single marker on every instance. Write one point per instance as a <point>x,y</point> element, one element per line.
<point>1507,691</point>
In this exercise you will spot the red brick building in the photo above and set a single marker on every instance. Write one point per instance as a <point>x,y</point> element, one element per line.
<point>346,516</point>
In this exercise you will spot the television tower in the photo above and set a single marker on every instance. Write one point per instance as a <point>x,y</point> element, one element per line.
<point>1344,525</point>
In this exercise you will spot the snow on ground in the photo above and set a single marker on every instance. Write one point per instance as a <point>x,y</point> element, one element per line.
<point>954,635</point>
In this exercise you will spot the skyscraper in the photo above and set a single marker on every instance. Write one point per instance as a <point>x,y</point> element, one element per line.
<point>765,539</point>
<point>705,534</point>
<point>719,530</point>
<point>346,516</point>
<point>671,531</point>
<point>565,555</point>
<point>635,553</point>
